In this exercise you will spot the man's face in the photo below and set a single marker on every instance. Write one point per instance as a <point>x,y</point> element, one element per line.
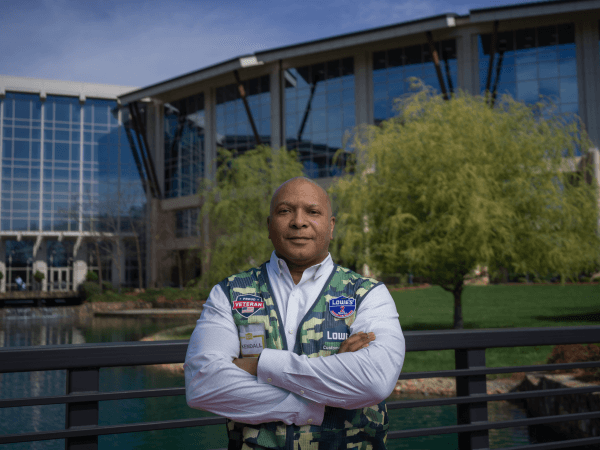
<point>300,224</point>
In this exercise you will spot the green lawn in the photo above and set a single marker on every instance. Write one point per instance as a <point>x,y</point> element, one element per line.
<point>498,306</point>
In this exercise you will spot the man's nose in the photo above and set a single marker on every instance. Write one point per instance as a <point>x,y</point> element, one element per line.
<point>298,220</point>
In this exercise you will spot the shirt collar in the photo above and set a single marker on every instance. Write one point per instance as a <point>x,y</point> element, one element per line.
<point>324,267</point>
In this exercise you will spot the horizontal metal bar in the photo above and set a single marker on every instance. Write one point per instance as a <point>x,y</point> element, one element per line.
<point>111,429</point>
<point>169,392</point>
<point>495,370</point>
<point>491,425</point>
<point>184,423</point>
<point>491,397</point>
<point>499,337</point>
<point>91,397</point>
<point>73,356</point>
<point>56,357</point>
<point>556,445</point>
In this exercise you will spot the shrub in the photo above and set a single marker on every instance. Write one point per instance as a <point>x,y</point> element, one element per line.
<point>203,293</point>
<point>577,353</point>
<point>89,289</point>
<point>1,276</point>
<point>38,276</point>
<point>91,276</point>
<point>107,286</point>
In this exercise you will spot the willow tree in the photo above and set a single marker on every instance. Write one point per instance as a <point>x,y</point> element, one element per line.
<point>448,185</point>
<point>235,210</point>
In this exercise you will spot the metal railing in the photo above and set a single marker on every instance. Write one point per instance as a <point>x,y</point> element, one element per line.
<point>83,362</point>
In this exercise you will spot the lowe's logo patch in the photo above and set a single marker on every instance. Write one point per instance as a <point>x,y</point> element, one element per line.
<point>246,305</point>
<point>342,307</point>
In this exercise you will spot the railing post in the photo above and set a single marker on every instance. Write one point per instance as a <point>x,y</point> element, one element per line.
<point>82,413</point>
<point>471,386</point>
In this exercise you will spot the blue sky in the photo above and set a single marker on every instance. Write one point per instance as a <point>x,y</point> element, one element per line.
<point>138,43</point>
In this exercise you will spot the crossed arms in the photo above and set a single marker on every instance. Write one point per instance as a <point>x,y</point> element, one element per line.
<point>287,387</point>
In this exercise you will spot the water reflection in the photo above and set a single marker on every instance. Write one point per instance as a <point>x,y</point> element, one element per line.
<point>48,326</point>
<point>405,419</point>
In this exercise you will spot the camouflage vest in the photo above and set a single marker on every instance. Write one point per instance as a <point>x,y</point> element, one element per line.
<point>320,334</point>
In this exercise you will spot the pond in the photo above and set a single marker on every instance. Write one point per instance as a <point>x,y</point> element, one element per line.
<point>51,326</point>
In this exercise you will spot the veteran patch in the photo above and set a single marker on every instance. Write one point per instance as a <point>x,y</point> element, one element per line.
<point>248,304</point>
<point>342,307</point>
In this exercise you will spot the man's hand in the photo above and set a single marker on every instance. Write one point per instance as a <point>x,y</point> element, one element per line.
<point>250,365</point>
<point>356,342</point>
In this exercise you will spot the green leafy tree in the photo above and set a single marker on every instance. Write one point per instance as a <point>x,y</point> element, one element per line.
<point>235,210</point>
<point>448,185</point>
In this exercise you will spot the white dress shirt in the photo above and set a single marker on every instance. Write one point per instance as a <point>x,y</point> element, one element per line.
<point>289,387</point>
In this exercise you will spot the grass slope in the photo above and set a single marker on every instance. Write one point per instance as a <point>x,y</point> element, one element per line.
<point>497,306</point>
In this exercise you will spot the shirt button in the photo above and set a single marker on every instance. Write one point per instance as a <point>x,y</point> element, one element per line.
<point>291,331</point>
<point>301,392</point>
<point>269,380</point>
<point>309,420</point>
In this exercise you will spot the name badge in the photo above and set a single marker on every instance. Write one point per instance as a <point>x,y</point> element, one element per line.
<point>252,339</point>
<point>333,337</point>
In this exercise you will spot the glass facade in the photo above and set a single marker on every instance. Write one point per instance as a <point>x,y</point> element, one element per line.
<point>234,131</point>
<point>64,163</point>
<point>319,113</point>
<point>187,223</point>
<point>21,162</point>
<point>533,62</point>
<point>66,166</point>
<point>393,69</point>
<point>184,145</point>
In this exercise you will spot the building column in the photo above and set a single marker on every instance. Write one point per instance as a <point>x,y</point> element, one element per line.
<point>210,155</point>
<point>588,62</point>
<point>152,256</point>
<point>80,267</point>
<point>118,264</point>
<point>466,56</point>
<point>40,262</point>
<point>3,266</point>
<point>276,90</point>
<point>363,87</point>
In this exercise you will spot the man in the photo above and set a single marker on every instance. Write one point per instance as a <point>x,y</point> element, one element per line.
<point>299,353</point>
<point>19,282</point>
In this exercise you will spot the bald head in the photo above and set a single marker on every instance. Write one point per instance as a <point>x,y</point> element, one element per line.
<point>296,182</point>
<point>300,224</point>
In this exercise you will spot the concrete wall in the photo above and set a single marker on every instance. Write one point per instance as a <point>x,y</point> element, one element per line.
<point>565,404</point>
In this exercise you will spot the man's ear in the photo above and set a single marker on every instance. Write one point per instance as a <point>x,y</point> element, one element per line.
<point>332,222</point>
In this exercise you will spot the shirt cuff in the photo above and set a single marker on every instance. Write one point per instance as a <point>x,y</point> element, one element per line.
<point>267,367</point>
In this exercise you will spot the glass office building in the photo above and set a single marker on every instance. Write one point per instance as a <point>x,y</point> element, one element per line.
<point>64,154</point>
<point>533,63</point>
<point>68,181</point>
